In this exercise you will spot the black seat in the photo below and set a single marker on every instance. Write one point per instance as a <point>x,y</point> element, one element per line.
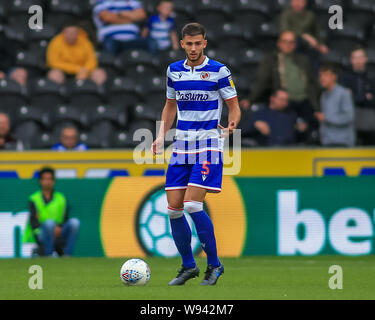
<point>32,62</point>
<point>142,125</point>
<point>115,114</point>
<point>168,57</point>
<point>151,111</point>
<point>234,36</point>
<point>18,12</point>
<point>267,35</point>
<point>27,130</point>
<point>347,38</point>
<point>31,113</point>
<point>153,90</point>
<point>39,39</point>
<point>246,59</point>
<point>123,139</point>
<point>103,128</point>
<point>43,140</point>
<point>46,93</point>
<point>67,114</point>
<point>123,92</point>
<point>85,92</point>
<point>141,71</point>
<point>18,36</point>
<point>61,11</point>
<point>250,13</point>
<point>12,94</point>
<point>107,61</point>
<point>324,5</point>
<point>136,57</point>
<point>217,9</point>
<point>220,55</point>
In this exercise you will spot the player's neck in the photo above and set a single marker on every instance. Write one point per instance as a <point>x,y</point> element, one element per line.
<point>196,63</point>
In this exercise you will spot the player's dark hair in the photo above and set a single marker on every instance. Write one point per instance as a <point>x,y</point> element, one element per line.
<point>193,29</point>
<point>329,66</point>
<point>46,170</point>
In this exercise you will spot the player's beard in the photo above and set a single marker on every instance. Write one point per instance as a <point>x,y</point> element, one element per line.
<point>197,57</point>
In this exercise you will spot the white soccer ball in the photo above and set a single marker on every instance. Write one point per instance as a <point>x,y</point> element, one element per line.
<point>135,272</point>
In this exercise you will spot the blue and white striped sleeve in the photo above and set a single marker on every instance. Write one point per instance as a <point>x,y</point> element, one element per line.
<point>171,93</point>
<point>226,86</point>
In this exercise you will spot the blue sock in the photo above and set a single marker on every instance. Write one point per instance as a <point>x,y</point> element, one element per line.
<point>181,234</point>
<point>205,230</point>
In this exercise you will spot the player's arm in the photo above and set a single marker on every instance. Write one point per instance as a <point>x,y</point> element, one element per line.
<point>135,15</point>
<point>113,18</point>
<point>234,116</point>
<point>167,119</point>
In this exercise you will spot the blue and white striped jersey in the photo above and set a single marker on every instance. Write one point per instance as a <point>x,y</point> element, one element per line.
<point>199,93</point>
<point>161,30</point>
<point>125,32</point>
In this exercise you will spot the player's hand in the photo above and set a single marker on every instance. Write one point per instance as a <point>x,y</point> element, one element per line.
<point>263,127</point>
<point>229,130</point>
<point>157,146</point>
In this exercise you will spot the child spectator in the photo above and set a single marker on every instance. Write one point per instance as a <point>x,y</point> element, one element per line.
<point>337,115</point>
<point>161,27</point>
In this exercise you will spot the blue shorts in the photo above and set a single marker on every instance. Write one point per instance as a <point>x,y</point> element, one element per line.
<point>207,174</point>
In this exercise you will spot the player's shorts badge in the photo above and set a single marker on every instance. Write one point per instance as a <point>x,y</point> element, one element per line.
<point>205,75</point>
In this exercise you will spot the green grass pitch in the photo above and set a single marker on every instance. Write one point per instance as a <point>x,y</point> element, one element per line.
<point>244,279</point>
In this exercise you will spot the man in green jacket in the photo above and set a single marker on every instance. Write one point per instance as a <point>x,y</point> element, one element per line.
<point>49,224</point>
<point>285,69</point>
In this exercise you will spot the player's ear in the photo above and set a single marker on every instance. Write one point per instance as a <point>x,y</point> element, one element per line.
<point>205,44</point>
<point>182,43</point>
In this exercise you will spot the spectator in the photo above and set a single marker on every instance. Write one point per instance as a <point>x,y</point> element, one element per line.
<point>69,141</point>
<point>292,72</point>
<point>49,225</point>
<point>337,115</point>
<point>305,25</point>
<point>275,125</point>
<point>7,141</point>
<point>71,54</point>
<point>116,21</point>
<point>362,87</point>
<point>161,27</point>
<point>8,53</point>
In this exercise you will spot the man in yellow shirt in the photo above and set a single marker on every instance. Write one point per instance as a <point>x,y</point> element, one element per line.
<point>71,54</point>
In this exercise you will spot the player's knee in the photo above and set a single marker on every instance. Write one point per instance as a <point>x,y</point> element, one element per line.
<point>174,213</point>
<point>193,206</point>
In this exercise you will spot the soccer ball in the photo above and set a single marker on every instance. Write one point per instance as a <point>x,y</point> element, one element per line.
<point>135,272</point>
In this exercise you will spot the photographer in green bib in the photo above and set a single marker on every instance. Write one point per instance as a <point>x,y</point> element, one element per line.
<point>49,225</point>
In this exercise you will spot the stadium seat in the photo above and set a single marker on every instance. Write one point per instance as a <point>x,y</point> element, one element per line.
<point>12,94</point>
<point>251,13</point>
<point>208,7</point>
<point>167,57</point>
<point>39,39</point>
<point>141,71</point>
<point>115,114</point>
<point>123,139</point>
<point>43,140</point>
<point>107,62</point>
<point>346,38</point>
<point>61,11</point>
<point>27,130</point>
<point>267,35</point>
<point>234,36</point>
<point>362,19</point>
<point>18,12</point>
<point>246,59</point>
<point>151,111</point>
<point>184,8</point>
<point>335,56</point>
<point>95,142</point>
<point>31,113</point>
<point>143,125</point>
<point>63,115</point>
<point>123,92</point>
<point>85,92</point>
<point>32,62</point>
<point>153,90</point>
<point>103,128</point>
<point>18,35</point>
<point>46,93</point>
<point>324,5</point>
<point>220,55</point>
<point>136,57</point>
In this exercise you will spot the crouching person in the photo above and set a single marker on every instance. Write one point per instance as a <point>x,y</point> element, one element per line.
<point>49,225</point>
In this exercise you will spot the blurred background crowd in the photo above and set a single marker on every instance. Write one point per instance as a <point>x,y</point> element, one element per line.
<point>95,72</point>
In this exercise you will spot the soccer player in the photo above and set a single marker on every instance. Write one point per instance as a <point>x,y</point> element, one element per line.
<point>196,89</point>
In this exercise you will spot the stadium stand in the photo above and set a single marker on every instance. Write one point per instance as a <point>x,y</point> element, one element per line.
<point>239,32</point>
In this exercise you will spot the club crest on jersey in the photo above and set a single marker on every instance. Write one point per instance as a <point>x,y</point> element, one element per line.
<point>205,75</point>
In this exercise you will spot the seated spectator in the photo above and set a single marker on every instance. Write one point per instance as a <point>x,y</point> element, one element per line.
<point>8,53</point>
<point>275,124</point>
<point>71,54</point>
<point>305,25</point>
<point>337,115</point>
<point>362,86</point>
<point>69,141</point>
<point>161,27</point>
<point>290,71</point>
<point>7,141</point>
<point>117,26</point>
<point>49,225</point>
